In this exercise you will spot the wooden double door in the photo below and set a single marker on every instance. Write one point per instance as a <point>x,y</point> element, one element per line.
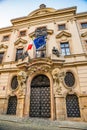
<point>40,97</point>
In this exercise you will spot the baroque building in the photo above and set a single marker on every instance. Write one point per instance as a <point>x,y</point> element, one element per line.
<point>50,82</point>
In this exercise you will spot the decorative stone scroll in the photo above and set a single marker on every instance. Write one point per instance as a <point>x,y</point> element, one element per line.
<point>21,78</point>
<point>58,77</point>
<point>40,68</point>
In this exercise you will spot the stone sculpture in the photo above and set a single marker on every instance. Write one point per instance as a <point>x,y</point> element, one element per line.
<point>58,77</point>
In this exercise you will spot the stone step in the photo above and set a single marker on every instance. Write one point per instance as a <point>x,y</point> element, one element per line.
<point>28,123</point>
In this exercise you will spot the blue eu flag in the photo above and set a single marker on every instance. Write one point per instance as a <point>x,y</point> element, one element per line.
<point>39,42</point>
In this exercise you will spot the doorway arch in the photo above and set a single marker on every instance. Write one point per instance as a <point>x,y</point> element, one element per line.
<point>40,104</point>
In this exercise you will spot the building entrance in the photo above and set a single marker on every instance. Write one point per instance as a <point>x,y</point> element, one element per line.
<point>40,97</point>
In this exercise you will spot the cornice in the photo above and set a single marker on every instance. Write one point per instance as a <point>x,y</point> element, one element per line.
<point>6,29</point>
<point>58,13</point>
<point>81,15</point>
<point>77,63</point>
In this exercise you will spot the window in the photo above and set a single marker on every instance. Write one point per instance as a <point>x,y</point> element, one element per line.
<point>1,57</point>
<point>14,83</point>
<point>40,53</point>
<point>5,38</point>
<point>19,53</point>
<point>65,48</point>
<point>69,79</point>
<point>84,25</point>
<point>72,106</point>
<point>23,33</point>
<point>61,27</point>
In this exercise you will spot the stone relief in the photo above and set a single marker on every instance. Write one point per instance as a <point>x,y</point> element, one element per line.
<point>40,68</point>
<point>58,77</point>
<point>42,31</point>
<point>21,78</point>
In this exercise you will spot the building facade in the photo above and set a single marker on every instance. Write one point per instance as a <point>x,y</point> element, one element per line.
<point>49,82</point>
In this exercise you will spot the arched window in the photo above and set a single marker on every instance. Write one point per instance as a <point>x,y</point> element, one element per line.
<point>14,83</point>
<point>72,106</point>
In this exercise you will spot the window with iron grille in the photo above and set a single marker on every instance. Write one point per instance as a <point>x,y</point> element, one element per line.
<point>69,79</point>
<point>72,106</point>
<point>84,25</point>
<point>65,48</point>
<point>5,38</point>
<point>12,105</point>
<point>14,83</point>
<point>1,57</point>
<point>61,27</point>
<point>23,33</point>
<point>19,53</point>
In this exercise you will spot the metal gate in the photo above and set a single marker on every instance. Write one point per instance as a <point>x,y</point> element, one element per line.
<point>72,106</point>
<point>40,97</point>
<point>12,104</point>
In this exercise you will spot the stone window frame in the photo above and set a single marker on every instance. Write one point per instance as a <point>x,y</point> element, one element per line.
<point>3,49</point>
<point>62,25</point>
<point>85,22</point>
<point>2,57</point>
<point>19,48</point>
<point>22,35</point>
<point>69,47</point>
<point>75,84</point>
<point>7,39</point>
<point>13,90</point>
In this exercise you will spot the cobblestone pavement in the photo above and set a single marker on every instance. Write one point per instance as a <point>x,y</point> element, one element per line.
<point>15,123</point>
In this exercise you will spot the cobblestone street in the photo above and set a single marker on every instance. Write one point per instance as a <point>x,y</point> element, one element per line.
<point>15,123</point>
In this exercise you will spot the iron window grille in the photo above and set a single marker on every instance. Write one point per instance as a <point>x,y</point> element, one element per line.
<point>69,79</point>
<point>14,83</point>
<point>72,106</point>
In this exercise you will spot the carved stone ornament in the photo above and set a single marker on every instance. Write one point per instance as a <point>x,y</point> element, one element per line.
<point>3,47</point>
<point>58,77</point>
<point>40,68</point>
<point>21,78</point>
<point>20,40</point>
<point>63,33</point>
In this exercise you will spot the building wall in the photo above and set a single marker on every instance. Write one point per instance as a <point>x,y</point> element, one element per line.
<point>75,62</point>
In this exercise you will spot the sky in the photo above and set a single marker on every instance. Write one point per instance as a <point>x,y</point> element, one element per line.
<point>10,9</point>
